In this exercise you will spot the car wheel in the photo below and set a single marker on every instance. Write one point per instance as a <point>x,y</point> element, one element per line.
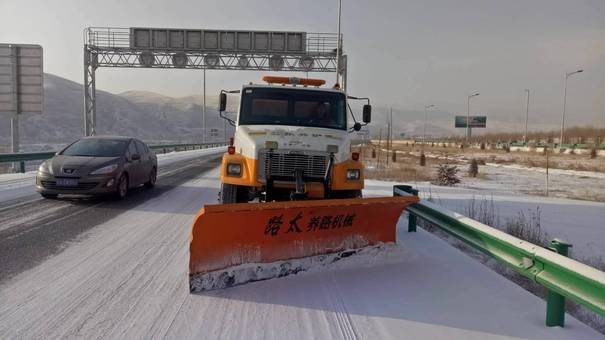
<point>122,187</point>
<point>49,196</point>
<point>152,178</point>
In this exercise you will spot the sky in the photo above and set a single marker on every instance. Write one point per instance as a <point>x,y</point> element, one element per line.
<point>402,54</point>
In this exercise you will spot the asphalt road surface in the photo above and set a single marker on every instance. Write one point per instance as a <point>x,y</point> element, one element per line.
<point>33,228</point>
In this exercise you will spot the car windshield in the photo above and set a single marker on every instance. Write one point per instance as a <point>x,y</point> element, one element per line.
<point>276,106</point>
<point>96,148</point>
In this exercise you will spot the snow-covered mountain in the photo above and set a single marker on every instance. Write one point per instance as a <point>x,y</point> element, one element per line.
<point>145,115</point>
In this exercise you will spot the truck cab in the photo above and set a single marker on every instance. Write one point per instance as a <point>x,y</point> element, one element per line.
<point>292,141</point>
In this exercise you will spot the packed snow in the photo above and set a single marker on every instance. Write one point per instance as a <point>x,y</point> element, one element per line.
<point>128,278</point>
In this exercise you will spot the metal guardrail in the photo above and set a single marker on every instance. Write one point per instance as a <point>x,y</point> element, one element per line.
<point>21,158</point>
<point>562,276</point>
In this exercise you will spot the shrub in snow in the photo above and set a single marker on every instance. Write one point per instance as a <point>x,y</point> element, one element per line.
<point>528,228</point>
<point>447,175</point>
<point>482,146</point>
<point>422,159</point>
<point>394,157</point>
<point>473,169</point>
<point>593,153</point>
<point>373,153</point>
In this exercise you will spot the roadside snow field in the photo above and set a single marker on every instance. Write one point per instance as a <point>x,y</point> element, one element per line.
<point>128,278</point>
<point>579,222</point>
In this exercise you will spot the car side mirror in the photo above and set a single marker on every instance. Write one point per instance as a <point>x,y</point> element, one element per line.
<point>367,113</point>
<point>222,102</point>
<point>357,126</point>
<point>135,157</point>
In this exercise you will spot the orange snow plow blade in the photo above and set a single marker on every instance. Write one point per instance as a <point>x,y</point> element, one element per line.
<point>227,235</point>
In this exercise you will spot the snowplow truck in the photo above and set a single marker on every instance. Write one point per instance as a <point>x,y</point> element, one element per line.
<point>291,187</point>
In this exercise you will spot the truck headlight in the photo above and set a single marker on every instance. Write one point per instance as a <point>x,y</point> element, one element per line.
<point>234,169</point>
<point>353,174</point>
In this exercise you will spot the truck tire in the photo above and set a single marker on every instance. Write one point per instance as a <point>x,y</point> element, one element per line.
<point>231,193</point>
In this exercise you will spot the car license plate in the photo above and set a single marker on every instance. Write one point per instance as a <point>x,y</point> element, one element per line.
<point>67,182</point>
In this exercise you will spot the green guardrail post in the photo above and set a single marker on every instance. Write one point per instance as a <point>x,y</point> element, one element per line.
<point>555,302</point>
<point>22,167</point>
<point>412,218</point>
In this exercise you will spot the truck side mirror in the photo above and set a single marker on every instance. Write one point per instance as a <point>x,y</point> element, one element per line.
<point>356,126</point>
<point>367,113</point>
<point>222,102</point>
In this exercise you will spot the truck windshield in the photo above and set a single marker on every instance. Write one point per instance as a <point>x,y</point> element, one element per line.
<point>277,106</point>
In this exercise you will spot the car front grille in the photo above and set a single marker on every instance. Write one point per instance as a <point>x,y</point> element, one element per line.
<point>81,186</point>
<point>284,163</point>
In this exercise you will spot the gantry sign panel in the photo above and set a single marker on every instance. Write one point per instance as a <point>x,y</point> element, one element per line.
<point>202,49</point>
<point>21,79</point>
<point>214,40</point>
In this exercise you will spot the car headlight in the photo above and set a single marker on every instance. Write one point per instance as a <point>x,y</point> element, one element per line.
<point>234,169</point>
<point>105,170</point>
<point>44,168</point>
<point>353,174</point>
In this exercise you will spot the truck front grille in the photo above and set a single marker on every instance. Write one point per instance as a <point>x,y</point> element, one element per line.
<point>283,163</point>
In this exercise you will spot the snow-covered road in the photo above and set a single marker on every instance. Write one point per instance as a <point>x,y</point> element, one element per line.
<point>127,278</point>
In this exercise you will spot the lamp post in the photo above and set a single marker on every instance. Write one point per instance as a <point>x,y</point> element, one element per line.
<point>526,117</point>
<point>204,110</point>
<point>426,107</point>
<point>567,75</point>
<point>468,116</point>
<point>338,43</point>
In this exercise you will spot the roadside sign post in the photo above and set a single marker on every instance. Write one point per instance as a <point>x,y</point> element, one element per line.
<point>21,86</point>
<point>470,122</point>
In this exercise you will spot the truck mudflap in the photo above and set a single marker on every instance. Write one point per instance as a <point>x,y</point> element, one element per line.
<point>229,235</point>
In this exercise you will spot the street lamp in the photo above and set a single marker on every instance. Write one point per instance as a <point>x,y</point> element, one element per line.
<point>526,117</point>
<point>425,119</point>
<point>338,43</point>
<point>468,115</point>
<point>567,74</point>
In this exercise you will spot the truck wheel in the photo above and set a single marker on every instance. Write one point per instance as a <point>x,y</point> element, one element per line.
<point>231,193</point>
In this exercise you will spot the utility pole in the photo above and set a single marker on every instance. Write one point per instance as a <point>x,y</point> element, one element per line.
<point>567,74</point>
<point>338,43</point>
<point>16,94</point>
<point>426,107</point>
<point>526,117</point>
<point>389,136</point>
<point>379,147</point>
<point>204,109</point>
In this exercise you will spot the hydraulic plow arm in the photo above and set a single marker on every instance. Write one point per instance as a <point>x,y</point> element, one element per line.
<point>228,235</point>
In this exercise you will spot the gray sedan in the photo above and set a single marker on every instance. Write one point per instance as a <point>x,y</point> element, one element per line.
<point>98,165</point>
